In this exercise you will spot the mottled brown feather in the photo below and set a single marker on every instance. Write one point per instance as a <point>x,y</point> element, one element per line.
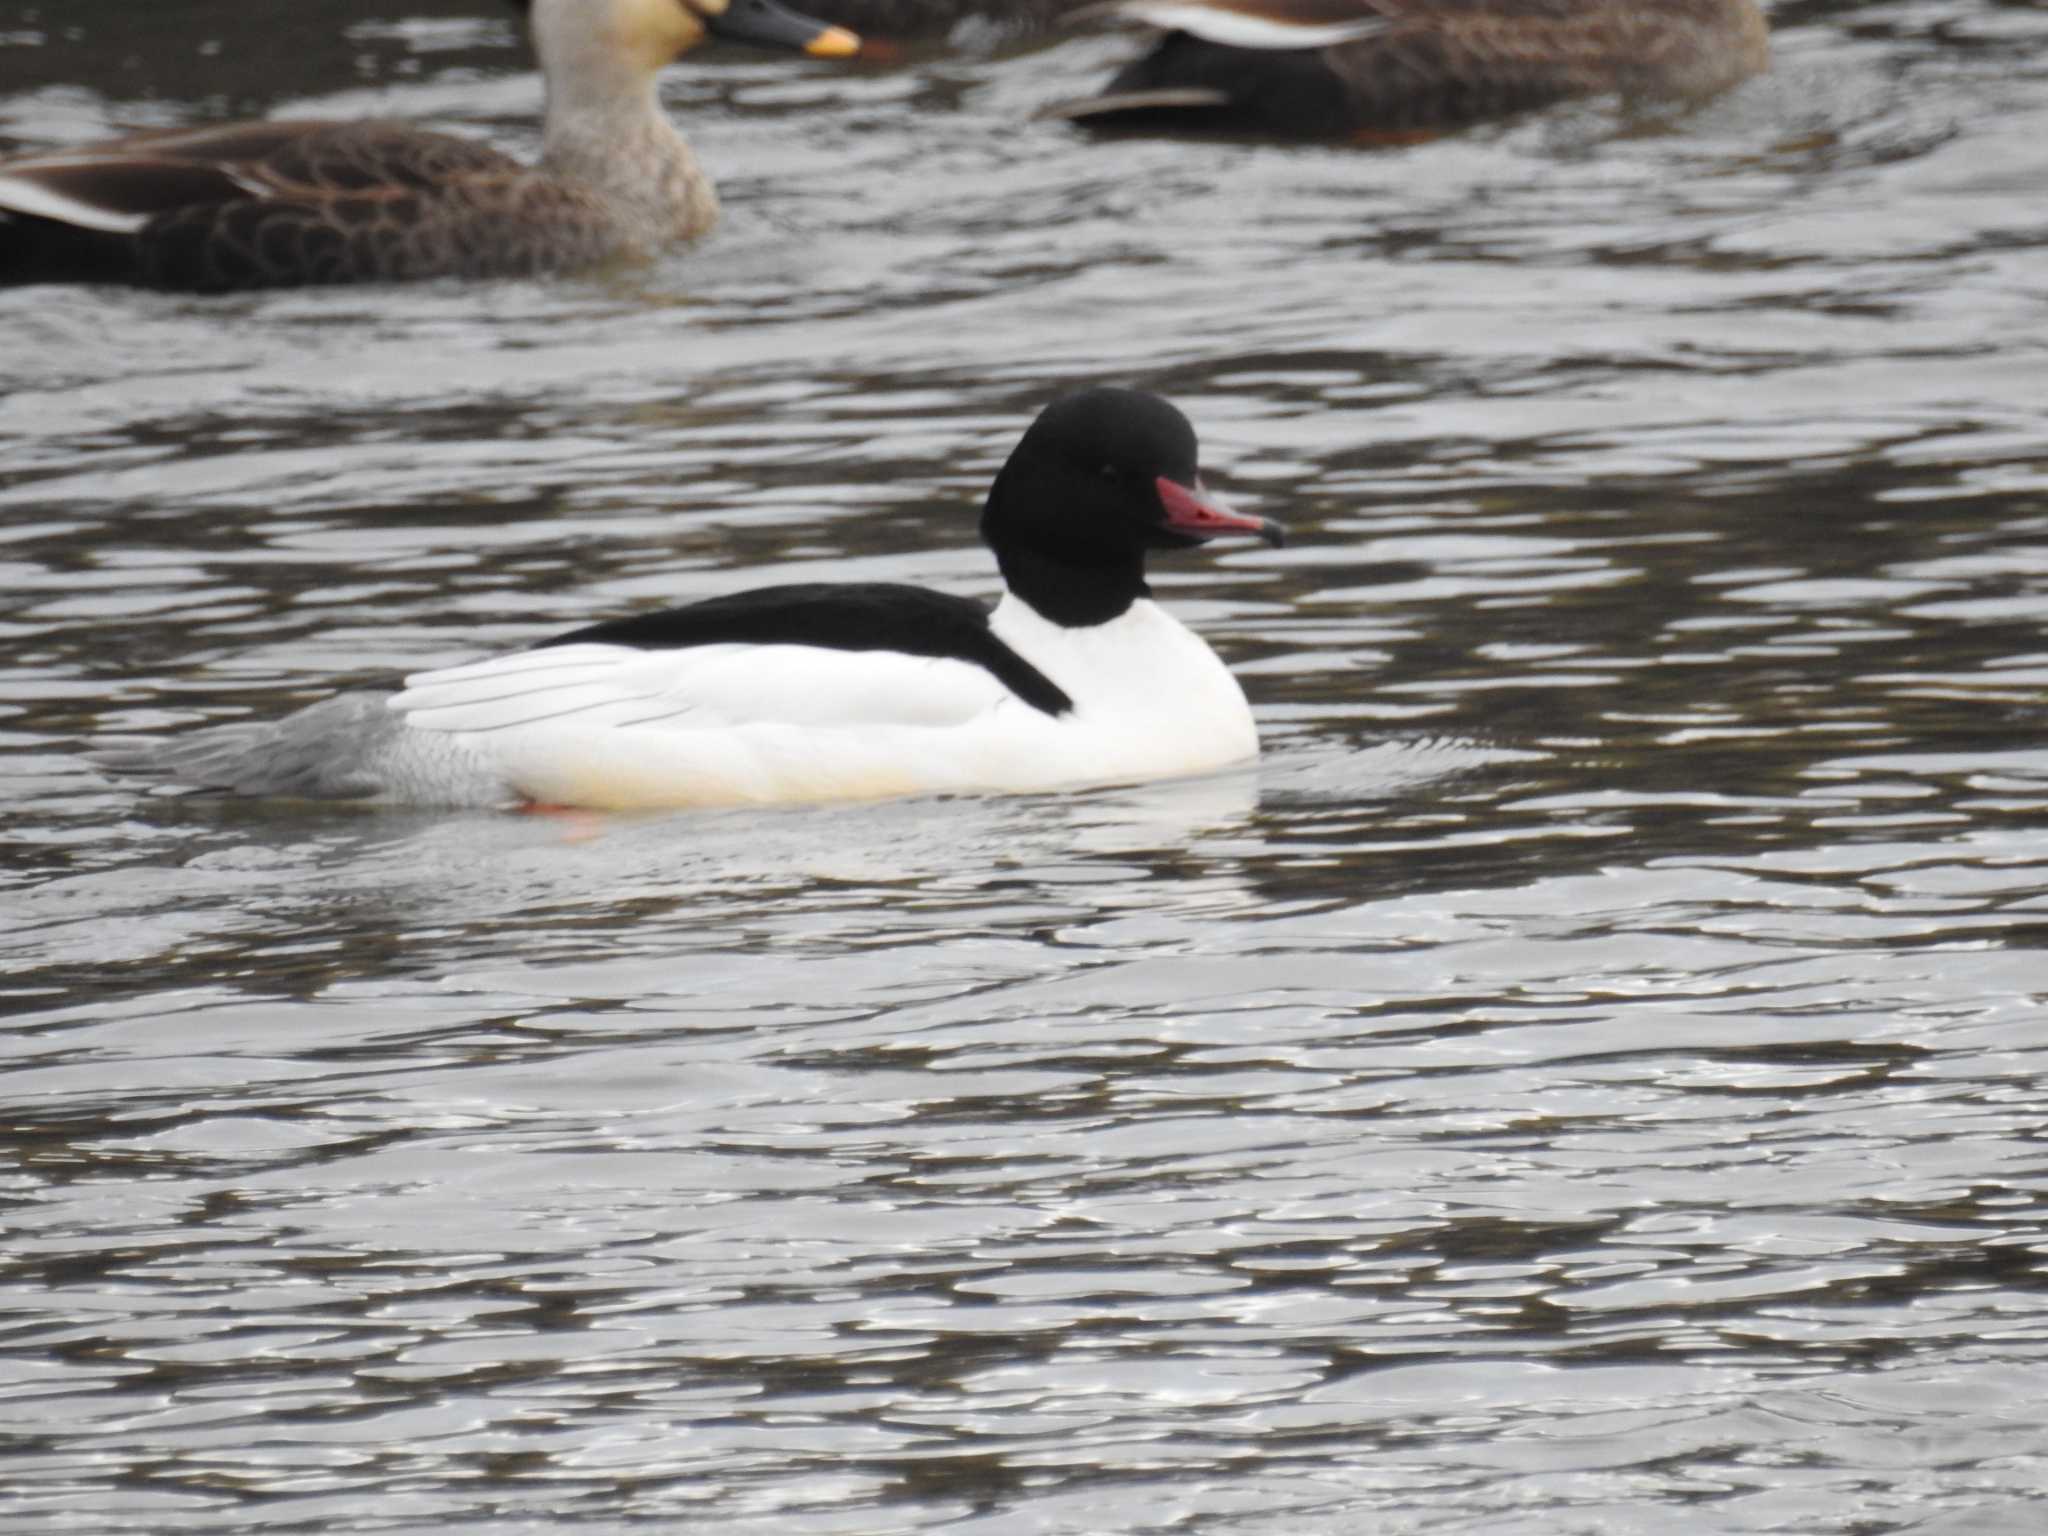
<point>277,204</point>
<point>511,226</point>
<point>1438,65</point>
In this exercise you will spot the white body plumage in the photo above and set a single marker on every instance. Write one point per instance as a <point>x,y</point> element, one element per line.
<point>616,726</point>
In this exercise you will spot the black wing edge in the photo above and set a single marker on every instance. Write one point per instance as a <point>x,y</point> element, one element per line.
<point>853,616</point>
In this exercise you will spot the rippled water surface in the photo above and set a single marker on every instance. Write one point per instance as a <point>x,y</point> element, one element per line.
<point>1588,1079</point>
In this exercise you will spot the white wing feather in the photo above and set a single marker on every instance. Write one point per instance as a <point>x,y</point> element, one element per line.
<point>22,194</point>
<point>38,185</point>
<point>596,687</point>
<point>611,725</point>
<point>1232,28</point>
<point>614,726</point>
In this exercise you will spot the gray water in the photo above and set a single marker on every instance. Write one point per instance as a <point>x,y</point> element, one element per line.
<point>1588,1079</point>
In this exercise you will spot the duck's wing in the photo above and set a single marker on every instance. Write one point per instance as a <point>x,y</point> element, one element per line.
<point>783,694</point>
<point>831,656</point>
<point>1411,67</point>
<point>614,727</point>
<point>590,690</point>
<point>1371,68</point>
<point>122,184</point>
<point>252,204</point>
<point>1450,63</point>
<point>1260,24</point>
<point>599,725</point>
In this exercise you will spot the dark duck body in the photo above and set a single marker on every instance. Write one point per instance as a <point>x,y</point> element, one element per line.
<point>1392,70</point>
<point>287,203</point>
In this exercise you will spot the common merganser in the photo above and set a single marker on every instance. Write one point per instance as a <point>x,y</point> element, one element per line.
<point>823,692</point>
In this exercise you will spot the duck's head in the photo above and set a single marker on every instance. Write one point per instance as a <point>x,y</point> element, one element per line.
<point>1100,478</point>
<point>652,33</point>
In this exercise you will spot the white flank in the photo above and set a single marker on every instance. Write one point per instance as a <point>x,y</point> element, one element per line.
<point>611,726</point>
<point>20,194</point>
<point>1235,29</point>
<point>596,687</point>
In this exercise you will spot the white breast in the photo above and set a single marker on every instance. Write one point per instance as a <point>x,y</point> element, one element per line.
<point>1151,700</point>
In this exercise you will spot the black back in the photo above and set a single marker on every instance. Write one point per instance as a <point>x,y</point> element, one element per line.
<point>1289,93</point>
<point>840,616</point>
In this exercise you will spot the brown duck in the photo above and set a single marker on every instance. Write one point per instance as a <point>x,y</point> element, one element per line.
<point>1391,70</point>
<point>276,204</point>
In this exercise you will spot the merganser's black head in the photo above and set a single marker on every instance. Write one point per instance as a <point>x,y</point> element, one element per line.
<point>1100,478</point>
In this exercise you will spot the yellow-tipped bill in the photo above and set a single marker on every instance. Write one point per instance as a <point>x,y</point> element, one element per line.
<point>834,43</point>
<point>773,25</point>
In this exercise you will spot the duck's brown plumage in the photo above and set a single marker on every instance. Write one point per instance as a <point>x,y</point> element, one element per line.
<point>255,205</point>
<point>1424,66</point>
<point>272,204</point>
